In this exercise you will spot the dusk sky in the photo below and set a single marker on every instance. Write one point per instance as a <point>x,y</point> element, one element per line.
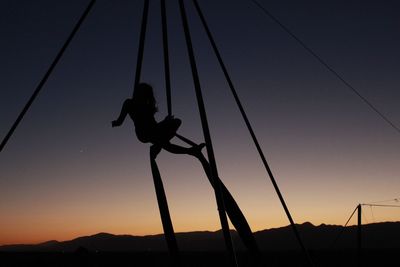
<point>66,173</point>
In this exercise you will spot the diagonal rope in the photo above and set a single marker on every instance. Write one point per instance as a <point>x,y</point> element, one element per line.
<point>328,67</point>
<point>207,138</point>
<point>139,60</point>
<point>251,131</point>
<point>47,75</point>
<point>365,217</point>
<point>344,227</point>
<point>372,214</point>
<point>386,200</point>
<point>370,205</point>
<point>378,205</point>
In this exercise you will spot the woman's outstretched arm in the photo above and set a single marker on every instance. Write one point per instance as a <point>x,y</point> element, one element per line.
<point>124,111</point>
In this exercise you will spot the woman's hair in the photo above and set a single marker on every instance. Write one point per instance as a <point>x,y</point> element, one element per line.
<point>143,95</point>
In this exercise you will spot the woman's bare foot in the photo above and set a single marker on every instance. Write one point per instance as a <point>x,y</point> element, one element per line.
<point>196,149</point>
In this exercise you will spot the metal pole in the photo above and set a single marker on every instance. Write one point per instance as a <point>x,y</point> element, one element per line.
<point>207,138</point>
<point>251,131</point>
<point>359,223</point>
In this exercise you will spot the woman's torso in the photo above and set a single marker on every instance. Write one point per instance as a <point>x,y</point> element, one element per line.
<point>143,118</point>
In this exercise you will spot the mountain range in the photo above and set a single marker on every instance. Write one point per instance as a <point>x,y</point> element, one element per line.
<point>374,236</point>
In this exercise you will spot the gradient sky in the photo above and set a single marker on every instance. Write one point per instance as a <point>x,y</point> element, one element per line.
<point>67,173</point>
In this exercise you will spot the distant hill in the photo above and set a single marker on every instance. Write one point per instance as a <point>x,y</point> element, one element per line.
<point>375,236</point>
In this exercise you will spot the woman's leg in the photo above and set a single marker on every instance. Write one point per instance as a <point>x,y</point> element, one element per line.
<point>194,150</point>
<point>154,151</point>
<point>175,148</point>
<point>165,131</point>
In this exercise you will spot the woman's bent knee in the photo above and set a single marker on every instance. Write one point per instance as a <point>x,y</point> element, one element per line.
<point>177,122</point>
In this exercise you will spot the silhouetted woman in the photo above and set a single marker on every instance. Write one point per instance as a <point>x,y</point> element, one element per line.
<point>141,108</point>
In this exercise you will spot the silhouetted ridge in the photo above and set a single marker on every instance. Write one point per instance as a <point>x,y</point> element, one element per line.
<point>375,236</point>
<point>49,243</point>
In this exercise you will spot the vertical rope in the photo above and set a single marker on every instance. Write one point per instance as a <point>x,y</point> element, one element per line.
<point>251,131</point>
<point>47,75</point>
<point>166,56</point>
<point>139,60</point>
<point>207,137</point>
<point>158,184</point>
<point>164,213</point>
<point>232,209</point>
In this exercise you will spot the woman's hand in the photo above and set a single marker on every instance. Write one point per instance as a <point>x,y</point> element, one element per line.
<point>124,111</point>
<point>169,117</point>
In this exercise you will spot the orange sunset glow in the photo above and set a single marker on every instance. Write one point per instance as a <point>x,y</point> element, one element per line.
<point>69,170</point>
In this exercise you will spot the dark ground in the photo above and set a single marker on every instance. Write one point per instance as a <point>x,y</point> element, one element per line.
<point>195,259</point>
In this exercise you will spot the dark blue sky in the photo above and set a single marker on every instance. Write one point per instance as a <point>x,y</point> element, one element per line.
<point>327,148</point>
